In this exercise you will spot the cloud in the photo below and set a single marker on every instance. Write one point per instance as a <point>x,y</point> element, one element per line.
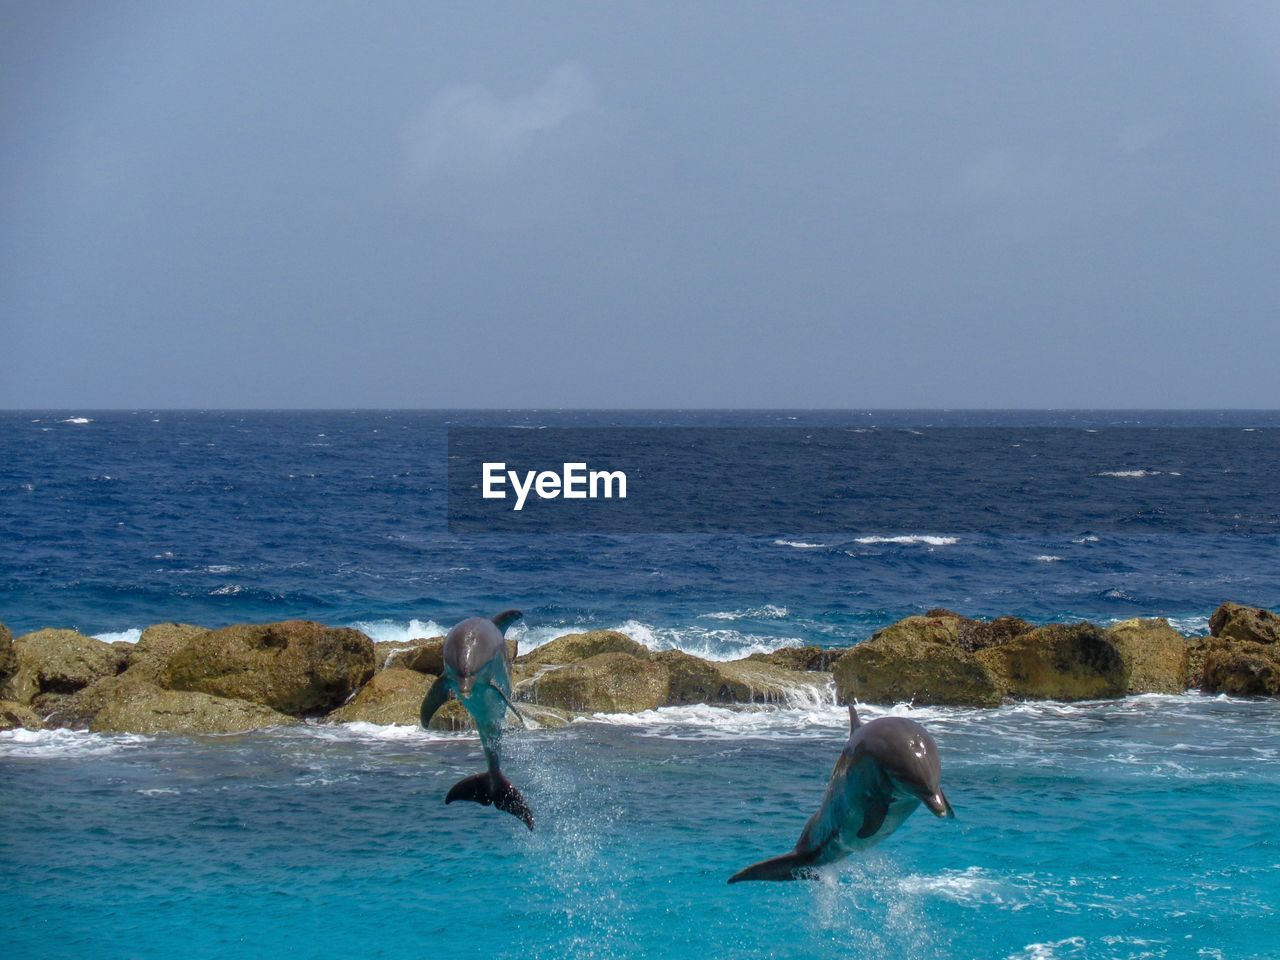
<point>468,132</point>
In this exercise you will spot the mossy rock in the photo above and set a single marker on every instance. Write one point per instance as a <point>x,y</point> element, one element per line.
<point>1242,669</point>
<point>801,658</point>
<point>297,667</point>
<point>158,643</point>
<point>1156,656</point>
<point>142,707</point>
<point>8,658</point>
<point>604,683</point>
<point>451,716</point>
<point>1059,662</point>
<point>913,666</point>
<point>1232,621</point>
<point>427,656</point>
<point>756,682</point>
<point>14,715</point>
<point>393,695</point>
<point>938,627</point>
<point>694,680</point>
<point>59,662</point>
<point>574,647</point>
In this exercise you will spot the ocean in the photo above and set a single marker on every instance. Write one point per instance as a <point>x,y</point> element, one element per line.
<point>1141,827</point>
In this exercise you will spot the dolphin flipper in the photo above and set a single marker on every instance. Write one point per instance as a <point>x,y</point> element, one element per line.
<point>789,866</point>
<point>876,809</point>
<point>491,787</point>
<point>506,618</point>
<point>434,700</point>
<point>510,706</point>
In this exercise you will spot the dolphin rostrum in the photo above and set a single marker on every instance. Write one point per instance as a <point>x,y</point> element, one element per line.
<point>887,769</point>
<point>477,670</point>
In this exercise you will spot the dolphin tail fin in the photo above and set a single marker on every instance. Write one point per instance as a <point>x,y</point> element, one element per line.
<point>789,866</point>
<point>506,618</point>
<point>434,700</point>
<point>854,721</point>
<point>491,787</point>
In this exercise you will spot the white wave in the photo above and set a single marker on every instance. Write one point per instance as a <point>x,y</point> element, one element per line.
<point>76,420</point>
<point>381,631</point>
<point>931,539</point>
<point>229,590</point>
<point>1197,626</point>
<point>1129,474</point>
<point>708,643</point>
<point>1090,538</point>
<point>132,635</point>
<point>798,544</point>
<point>972,885</point>
<point>1051,950</point>
<point>768,612</point>
<point>45,744</point>
<point>704,722</point>
<point>221,568</point>
<point>1048,558</point>
<point>362,731</point>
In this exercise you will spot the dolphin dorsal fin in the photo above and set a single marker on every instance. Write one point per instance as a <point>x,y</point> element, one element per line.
<point>854,722</point>
<point>506,618</point>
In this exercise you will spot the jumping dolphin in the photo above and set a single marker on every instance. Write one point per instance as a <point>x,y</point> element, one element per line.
<point>477,671</point>
<point>887,769</point>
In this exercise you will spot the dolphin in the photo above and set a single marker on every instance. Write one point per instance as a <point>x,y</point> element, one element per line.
<point>887,769</point>
<point>477,671</point>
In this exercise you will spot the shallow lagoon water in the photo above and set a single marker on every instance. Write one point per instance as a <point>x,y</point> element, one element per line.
<point>1135,828</point>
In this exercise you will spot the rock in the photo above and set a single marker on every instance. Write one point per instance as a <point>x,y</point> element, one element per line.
<point>142,707</point>
<point>392,652</point>
<point>801,658</point>
<point>297,667</point>
<point>1059,662</point>
<point>1155,655</point>
<point>8,658</point>
<point>908,666</point>
<point>975,635</point>
<point>77,710</point>
<point>573,647</point>
<point>1242,669</point>
<point>1231,621</point>
<point>604,683</point>
<point>59,662</point>
<point>14,715</point>
<point>1241,656</point>
<point>452,715</point>
<point>547,718</point>
<point>694,680</point>
<point>755,682</point>
<point>158,643</point>
<point>425,656</point>
<point>393,695</point>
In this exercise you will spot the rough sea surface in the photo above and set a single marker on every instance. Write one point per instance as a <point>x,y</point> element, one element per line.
<point>1137,828</point>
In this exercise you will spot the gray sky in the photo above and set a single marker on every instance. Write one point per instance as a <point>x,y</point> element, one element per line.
<point>418,204</point>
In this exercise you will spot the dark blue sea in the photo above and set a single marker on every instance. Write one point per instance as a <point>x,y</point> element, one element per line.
<point>1136,828</point>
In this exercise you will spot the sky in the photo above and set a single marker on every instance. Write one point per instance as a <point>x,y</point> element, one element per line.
<point>386,204</point>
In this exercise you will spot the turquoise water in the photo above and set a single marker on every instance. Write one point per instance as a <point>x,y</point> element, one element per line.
<point>1138,828</point>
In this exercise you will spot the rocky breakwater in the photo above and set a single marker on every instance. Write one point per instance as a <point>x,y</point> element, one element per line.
<point>180,678</point>
<point>945,659</point>
<point>186,679</point>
